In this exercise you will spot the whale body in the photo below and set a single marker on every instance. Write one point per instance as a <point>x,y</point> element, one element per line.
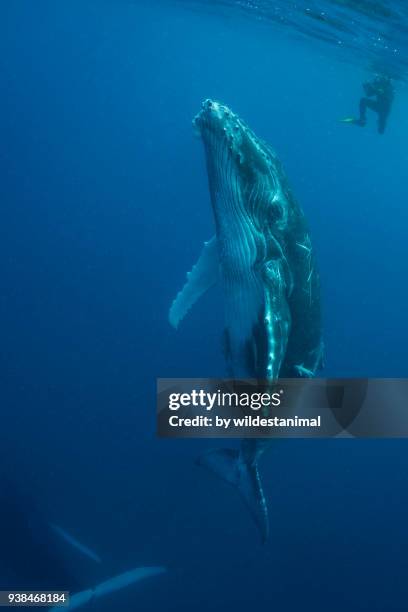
<point>262,255</point>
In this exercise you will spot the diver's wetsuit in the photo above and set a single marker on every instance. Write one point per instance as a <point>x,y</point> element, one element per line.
<point>379,97</point>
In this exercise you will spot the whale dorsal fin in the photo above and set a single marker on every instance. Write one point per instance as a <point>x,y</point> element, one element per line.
<point>204,275</point>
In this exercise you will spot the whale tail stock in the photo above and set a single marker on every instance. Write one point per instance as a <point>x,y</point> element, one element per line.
<point>236,469</point>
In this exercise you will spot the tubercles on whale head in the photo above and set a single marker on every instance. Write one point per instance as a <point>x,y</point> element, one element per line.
<point>219,126</point>
<point>212,116</point>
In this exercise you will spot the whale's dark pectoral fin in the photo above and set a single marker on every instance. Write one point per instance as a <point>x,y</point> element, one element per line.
<point>229,465</point>
<point>203,276</point>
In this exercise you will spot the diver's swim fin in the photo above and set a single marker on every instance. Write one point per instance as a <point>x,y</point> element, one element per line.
<point>231,467</point>
<point>353,121</point>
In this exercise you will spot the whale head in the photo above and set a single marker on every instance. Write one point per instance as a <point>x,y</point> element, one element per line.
<point>242,169</point>
<point>223,130</point>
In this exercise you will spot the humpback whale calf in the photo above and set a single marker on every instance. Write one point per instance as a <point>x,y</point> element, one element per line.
<point>35,554</point>
<point>263,257</point>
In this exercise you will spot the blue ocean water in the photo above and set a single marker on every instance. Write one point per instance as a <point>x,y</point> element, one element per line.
<point>104,207</point>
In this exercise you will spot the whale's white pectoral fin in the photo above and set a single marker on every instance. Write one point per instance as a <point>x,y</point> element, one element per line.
<point>204,275</point>
<point>117,583</point>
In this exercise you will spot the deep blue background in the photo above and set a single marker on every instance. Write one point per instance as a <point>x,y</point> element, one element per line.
<point>103,208</point>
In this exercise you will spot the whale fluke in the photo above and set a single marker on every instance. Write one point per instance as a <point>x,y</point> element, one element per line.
<point>230,465</point>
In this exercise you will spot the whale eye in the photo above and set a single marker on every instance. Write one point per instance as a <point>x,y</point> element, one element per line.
<point>275,213</point>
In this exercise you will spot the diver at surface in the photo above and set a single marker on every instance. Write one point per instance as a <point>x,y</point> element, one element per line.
<point>379,95</point>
